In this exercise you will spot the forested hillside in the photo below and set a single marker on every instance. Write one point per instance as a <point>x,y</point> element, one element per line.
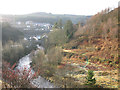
<point>99,38</point>
<point>43,17</point>
<point>103,24</point>
<point>10,33</point>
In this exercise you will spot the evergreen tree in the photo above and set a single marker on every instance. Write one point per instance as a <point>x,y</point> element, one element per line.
<point>55,25</point>
<point>69,29</point>
<point>90,79</point>
<point>60,24</point>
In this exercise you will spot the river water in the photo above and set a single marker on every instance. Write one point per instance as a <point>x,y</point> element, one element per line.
<point>39,82</point>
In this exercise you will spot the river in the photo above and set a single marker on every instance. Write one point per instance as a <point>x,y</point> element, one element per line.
<point>38,82</point>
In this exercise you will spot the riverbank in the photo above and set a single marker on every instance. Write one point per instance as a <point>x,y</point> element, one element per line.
<point>38,82</point>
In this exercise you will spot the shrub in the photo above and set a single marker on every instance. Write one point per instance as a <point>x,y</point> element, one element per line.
<point>12,53</point>
<point>103,74</point>
<point>55,55</point>
<point>47,63</point>
<point>90,79</point>
<point>16,78</point>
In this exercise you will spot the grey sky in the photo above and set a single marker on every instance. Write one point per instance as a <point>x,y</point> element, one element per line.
<point>78,7</point>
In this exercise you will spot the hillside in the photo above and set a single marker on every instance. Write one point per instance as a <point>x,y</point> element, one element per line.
<point>97,43</point>
<point>48,17</point>
<point>98,38</point>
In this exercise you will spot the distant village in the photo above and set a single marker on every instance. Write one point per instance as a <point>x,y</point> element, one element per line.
<point>30,26</point>
<point>32,30</point>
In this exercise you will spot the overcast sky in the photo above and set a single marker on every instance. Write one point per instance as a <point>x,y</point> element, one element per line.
<point>78,7</point>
